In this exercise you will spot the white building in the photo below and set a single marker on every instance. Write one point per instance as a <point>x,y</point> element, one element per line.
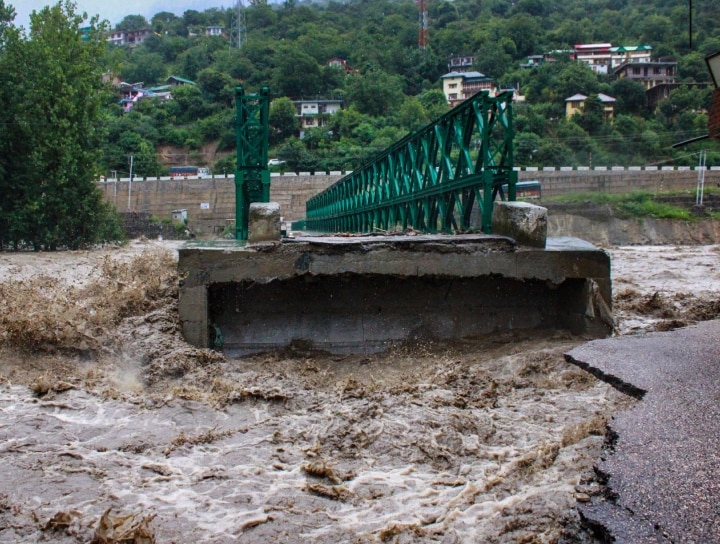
<point>314,113</point>
<point>603,58</point>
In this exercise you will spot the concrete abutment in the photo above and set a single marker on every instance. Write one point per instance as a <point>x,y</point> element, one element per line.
<point>362,294</point>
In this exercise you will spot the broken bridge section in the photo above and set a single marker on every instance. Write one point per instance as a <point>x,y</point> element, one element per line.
<point>362,294</point>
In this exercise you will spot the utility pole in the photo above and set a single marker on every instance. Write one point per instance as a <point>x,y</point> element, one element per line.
<point>132,158</point>
<point>701,178</point>
<point>114,175</point>
<point>690,24</point>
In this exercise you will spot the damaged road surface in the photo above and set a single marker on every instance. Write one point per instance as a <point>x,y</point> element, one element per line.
<point>663,460</point>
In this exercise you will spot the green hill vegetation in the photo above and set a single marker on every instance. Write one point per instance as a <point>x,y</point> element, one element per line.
<point>394,87</point>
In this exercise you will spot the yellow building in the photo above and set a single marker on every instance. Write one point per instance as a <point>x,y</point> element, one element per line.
<point>576,104</point>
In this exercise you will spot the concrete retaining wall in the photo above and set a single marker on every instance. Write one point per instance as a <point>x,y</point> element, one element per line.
<point>210,203</point>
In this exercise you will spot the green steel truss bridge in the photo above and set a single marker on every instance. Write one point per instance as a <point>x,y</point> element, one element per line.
<point>432,180</point>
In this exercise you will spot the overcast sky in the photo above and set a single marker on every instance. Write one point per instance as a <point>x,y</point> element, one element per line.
<point>115,11</point>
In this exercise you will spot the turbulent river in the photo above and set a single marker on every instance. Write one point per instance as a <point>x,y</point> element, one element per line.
<point>114,430</point>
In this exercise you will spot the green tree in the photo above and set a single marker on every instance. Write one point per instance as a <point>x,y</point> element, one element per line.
<point>49,155</point>
<point>283,120</point>
<point>524,30</point>
<point>193,60</point>
<point>7,15</point>
<point>145,67</point>
<point>412,115</point>
<point>526,146</point>
<point>629,96</point>
<point>434,102</point>
<point>188,103</point>
<point>591,117</point>
<point>133,22</point>
<point>297,156</point>
<point>216,86</point>
<point>297,74</point>
<point>375,92</point>
<point>160,22</point>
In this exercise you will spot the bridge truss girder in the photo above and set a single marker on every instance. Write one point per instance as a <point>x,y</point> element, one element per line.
<point>432,179</point>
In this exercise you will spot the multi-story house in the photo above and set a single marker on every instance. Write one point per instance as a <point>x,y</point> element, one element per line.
<point>315,113</point>
<point>649,73</point>
<point>459,86</point>
<point>657,76</point>
<point>629,53</point>
<point>129,37</point>
<point>602,58</point>
<point>595,55</point>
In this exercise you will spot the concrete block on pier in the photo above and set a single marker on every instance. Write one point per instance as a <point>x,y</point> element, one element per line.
<point>264,222</point>
<point>524,222</point>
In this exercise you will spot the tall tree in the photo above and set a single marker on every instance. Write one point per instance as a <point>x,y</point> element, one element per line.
<point>49,151</point>
<point>375,92</point>
<point>283,119</point>
<point>133,22</point>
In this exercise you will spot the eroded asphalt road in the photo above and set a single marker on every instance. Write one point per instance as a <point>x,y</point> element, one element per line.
<point>662,468</point>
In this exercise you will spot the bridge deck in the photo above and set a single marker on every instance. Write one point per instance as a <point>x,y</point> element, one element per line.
<point>362,294</point>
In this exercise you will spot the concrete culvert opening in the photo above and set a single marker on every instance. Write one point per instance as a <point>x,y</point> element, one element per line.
<point>367,313</point>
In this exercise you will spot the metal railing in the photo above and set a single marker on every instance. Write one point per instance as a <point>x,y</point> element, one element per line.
<point>431,180</point>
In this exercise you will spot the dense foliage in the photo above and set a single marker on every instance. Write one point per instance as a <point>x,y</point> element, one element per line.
<point>392,87</point>
<point>51,135</point>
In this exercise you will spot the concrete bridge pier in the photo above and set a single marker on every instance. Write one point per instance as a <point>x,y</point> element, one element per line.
<point>362,294</point>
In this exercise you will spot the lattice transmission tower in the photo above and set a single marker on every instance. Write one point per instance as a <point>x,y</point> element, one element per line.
<point>238,33</point>
<point>423,31</point>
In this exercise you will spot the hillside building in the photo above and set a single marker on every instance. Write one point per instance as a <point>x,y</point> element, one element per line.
<point>576,104</point>
<point>459,86</point>
<point>315,113</point>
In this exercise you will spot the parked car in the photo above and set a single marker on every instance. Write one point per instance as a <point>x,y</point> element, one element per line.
<point>275,162</point>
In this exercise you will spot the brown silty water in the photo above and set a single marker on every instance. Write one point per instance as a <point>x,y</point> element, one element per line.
<point>112,428</point>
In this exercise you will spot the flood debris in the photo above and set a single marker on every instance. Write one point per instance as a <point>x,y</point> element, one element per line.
<point>124,529</point>
<point>42,385</point>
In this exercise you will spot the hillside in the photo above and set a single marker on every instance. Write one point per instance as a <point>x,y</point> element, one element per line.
<point>390,86</point>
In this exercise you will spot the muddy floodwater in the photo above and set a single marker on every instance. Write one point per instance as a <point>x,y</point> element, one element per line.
<point>112,429</point>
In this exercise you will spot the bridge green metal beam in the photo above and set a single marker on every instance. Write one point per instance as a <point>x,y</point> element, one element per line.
<point>252,177</point>
<point>431,180</point>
